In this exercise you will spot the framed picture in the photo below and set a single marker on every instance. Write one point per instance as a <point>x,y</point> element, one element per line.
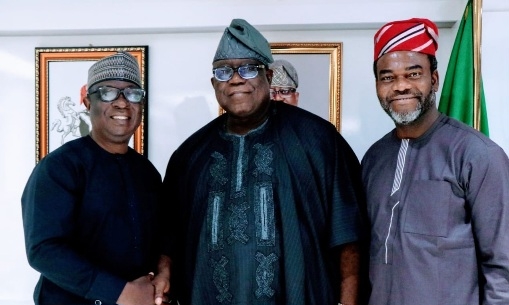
<point>60,81</point>
<point>318,67</point>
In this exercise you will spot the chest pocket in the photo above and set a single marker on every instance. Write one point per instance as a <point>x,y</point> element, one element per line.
<point>427,208</point>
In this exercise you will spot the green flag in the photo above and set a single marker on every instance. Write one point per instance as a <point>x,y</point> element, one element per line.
<point>457,98</point>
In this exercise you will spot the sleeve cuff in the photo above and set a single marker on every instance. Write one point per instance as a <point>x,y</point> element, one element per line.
<point>106,288</point>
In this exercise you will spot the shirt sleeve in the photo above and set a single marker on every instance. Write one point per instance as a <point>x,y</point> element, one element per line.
<point>488,196</point>
<point>346,195</point>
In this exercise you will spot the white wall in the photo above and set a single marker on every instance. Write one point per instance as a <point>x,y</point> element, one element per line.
<point>182,38</point>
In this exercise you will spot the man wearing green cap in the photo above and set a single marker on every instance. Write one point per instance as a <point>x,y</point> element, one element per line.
<point>264,198</point>
<point>90,207</point>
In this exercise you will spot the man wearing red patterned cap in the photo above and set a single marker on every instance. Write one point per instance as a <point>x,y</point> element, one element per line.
<point>437,190</point>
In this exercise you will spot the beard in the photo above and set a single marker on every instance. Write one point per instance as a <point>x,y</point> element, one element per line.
<point>409,117</point>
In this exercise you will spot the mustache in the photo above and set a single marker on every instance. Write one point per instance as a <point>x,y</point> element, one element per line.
<point>416,94</point>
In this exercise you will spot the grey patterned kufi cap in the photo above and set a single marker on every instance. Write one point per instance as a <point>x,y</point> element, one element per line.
<point>120,66</point>
<point>242,40</point>
<point>284,74</point>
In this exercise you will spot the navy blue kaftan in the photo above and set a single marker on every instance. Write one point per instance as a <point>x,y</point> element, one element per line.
<point>90,222</point>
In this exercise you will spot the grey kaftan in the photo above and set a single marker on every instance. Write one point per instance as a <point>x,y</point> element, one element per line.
<point>442,237</point>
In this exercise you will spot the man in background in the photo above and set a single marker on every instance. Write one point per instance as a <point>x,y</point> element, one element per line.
<point>284,82</point>
<point>437,190</point>
<point>264,198</point>
<point>91,207</point>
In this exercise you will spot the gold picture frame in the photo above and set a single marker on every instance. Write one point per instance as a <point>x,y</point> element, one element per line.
<point>61,75</point>
<point>318,66</point>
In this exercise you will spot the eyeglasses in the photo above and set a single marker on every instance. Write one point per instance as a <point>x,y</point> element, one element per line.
<point>224,74</point>
<point>282,92</point>
<point>109,94</point>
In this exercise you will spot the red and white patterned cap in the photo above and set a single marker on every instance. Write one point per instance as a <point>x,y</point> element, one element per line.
<point>416,35</point>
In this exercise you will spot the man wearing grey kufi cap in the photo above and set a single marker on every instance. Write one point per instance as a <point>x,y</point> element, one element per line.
<point>91,207</point>
<point>262,199</point>
<point>284,82</point>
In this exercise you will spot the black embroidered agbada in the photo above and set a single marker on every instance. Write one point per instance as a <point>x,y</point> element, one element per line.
<point>254,219</point>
